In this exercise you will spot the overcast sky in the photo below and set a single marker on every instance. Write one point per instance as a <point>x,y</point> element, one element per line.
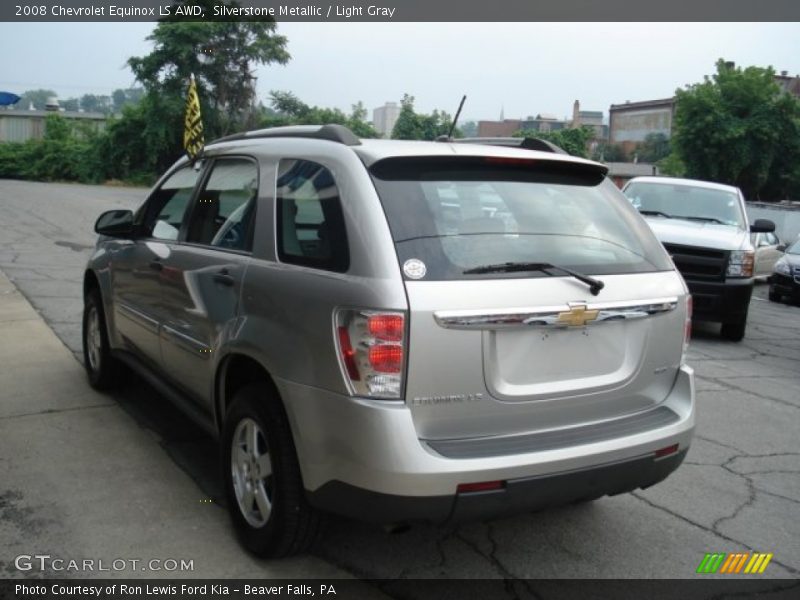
<point>525,68</point>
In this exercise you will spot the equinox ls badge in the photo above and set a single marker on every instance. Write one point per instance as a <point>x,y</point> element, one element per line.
<point>577,315</point>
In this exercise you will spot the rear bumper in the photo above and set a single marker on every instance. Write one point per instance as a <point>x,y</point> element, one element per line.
<point>724,301</point>
<point>517,496</point>
<point>363,459</point>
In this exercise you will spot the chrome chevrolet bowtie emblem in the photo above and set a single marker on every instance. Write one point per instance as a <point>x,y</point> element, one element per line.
<point>577,315</point>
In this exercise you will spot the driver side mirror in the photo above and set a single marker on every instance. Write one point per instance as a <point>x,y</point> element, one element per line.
<point>115,223</point>
<point>782,247</point>
<point>762,226</point>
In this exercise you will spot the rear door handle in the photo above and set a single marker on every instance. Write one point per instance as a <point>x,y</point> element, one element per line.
<point>224,277</point>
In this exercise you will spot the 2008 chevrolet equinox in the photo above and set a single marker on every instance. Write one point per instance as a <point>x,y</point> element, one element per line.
<point>398,331</point>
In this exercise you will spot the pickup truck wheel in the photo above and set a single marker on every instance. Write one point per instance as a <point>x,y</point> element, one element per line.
<point>734,331</point>
<point>103,370</point>
<point>265,489</point>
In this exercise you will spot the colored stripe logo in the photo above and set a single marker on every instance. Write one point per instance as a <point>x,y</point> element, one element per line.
<point>734,563</point>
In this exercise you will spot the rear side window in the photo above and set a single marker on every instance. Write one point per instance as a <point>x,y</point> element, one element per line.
<point>310,223</point>
<point>459,214</point>
<point>224,213</point>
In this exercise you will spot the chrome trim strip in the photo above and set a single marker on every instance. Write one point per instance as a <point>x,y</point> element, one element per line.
<point>548,316</point>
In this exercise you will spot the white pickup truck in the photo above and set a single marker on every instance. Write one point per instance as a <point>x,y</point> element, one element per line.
<point>704,228</point>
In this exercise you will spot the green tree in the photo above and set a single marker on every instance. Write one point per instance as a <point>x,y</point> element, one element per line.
<point>572,141</point>
<point>608,152</point>
<point>469,129</point>
<point>737,127</point>
<point>654,147</point>
<point>62,155</point>
<point>36,97</point>
<point>95,103</point>
<point>144,140</point>
<point>672,165</point>
<point>411,125</point>
<point>121,98</point>
<point>222,55</point>
<point>70,104</point>
<point>288,109</point>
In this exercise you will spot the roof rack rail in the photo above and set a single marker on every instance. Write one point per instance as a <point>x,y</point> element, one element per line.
<point>332,132</point>
<point>528,143</point>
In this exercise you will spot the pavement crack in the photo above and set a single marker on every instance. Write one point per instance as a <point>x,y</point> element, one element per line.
<point>52,411</point>
<point>751,498</point>
<point>721,444</point>
<point>710,530</point>
<point>760,394</point>
<point>512,583</point>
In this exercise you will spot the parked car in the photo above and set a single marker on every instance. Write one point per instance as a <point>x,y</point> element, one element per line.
<point>785,279</point>
<point>705,229</point>
<point>767,247</point>
<point>397,331</point>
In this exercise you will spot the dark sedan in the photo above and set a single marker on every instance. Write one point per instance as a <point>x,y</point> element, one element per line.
<point>785,279</point>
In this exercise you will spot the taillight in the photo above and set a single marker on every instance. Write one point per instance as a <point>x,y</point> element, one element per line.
<point>386,327</point>
<point>687,328</point>
<point>372,348</point>
<point>386,358</point>
<point>348,354</point>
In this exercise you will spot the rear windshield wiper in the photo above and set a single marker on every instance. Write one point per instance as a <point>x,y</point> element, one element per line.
<point>655,213</point>
<point>595,285</point>
<point>709,219</point>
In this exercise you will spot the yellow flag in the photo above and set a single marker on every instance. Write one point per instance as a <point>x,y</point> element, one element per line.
<point>193,140</point>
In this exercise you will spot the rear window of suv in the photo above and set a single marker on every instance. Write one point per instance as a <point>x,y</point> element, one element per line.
<point>460,214</point>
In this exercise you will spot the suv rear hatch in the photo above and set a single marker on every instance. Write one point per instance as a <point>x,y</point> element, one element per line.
<point>502,340</point>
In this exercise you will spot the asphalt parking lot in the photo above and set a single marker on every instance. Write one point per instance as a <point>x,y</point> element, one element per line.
<point>739,489</point>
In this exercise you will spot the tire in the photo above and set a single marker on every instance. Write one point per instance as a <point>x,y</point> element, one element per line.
<point>104,371</point>
<point>774,296</point>
<point>266,497</point>
<point>734,331</point>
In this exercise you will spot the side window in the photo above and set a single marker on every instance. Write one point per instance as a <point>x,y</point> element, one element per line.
<point>309,221</point>
<point>224,213</point>
<point>167,206</point>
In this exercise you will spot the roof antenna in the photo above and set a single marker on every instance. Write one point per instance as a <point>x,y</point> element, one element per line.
<point>449,136</point>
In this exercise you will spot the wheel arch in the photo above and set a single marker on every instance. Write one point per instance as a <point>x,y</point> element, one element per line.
<point>90,282</point>
<point>235,371</point>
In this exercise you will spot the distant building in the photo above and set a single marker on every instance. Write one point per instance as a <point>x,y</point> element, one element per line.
<point>546,123</point>
<point>504,128</point>
<point>789,84</point>
<point>589,118</point>
<point>23,125</point>
<point>630,123</point>
<point>384,118</point>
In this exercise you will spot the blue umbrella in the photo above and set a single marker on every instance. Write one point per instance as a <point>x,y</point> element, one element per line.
<point>7,98</point>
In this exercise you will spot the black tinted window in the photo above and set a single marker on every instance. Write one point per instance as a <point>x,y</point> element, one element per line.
<point>455,215</point>
<point>225,210</point>
<point>309,220</point>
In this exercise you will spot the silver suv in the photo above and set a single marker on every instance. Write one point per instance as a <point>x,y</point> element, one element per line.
<point>398,331</point>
